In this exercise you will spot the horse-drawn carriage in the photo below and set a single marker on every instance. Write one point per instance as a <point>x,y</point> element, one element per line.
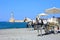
<point>47,27</point>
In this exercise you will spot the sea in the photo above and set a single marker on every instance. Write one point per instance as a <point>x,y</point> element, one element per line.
<point>8,25</point>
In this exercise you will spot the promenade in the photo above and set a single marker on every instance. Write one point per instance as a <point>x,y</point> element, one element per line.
<point>25,34</point>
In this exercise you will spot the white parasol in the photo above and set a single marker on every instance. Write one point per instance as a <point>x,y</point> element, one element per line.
<point>42,14</point>
<point>52,10</point>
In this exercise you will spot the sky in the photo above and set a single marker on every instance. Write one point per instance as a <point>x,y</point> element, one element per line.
<point>25,8</point>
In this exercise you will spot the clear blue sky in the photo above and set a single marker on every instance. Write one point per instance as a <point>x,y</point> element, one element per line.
<point>25,8</point>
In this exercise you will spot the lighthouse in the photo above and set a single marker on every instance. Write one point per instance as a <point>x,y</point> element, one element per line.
<point>12,17</point>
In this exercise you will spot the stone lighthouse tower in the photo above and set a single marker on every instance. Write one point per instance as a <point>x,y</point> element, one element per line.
<point>12,18</point>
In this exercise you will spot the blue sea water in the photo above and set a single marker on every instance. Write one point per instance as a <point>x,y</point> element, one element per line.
<point>5,25</point>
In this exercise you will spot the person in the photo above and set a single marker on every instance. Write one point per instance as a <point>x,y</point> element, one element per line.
<point>55,27</point>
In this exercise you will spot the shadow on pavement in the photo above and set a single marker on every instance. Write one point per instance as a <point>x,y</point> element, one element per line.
<point>51,32</point>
